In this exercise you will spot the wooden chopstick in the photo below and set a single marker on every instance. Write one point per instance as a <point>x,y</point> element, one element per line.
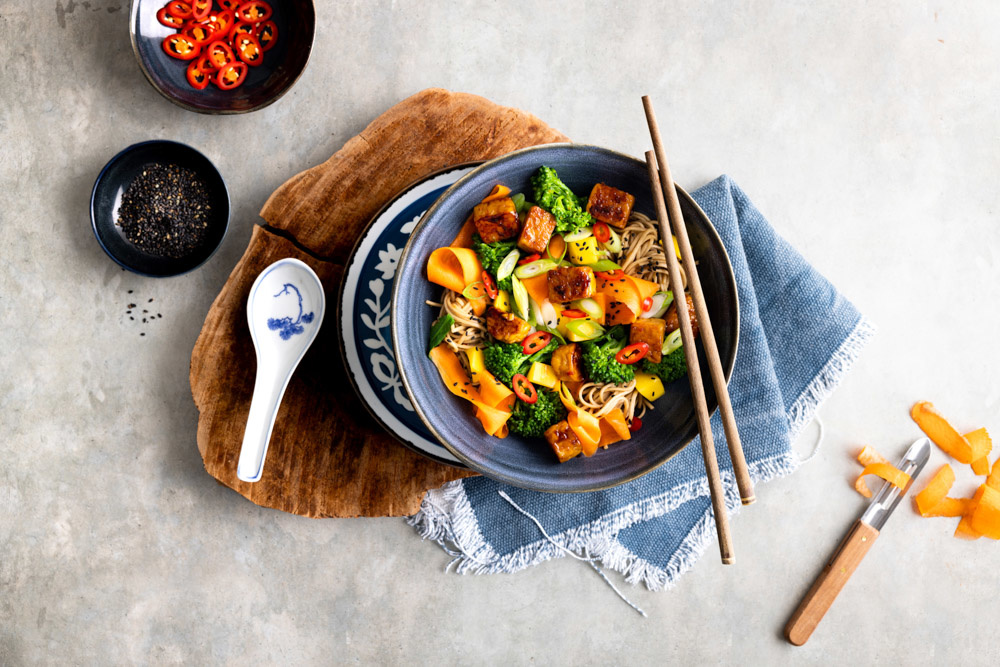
<point>736,455</point>
<point>694,372</point>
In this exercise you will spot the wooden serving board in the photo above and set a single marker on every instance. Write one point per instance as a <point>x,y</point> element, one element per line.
<point>327,456</point>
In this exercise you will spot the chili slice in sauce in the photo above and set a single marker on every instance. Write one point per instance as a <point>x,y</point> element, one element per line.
<point>231,75</point>
<point>529,259</point>
<point>198,78</point>
<point>524,389</point>
<point>632,353</point>
<point>609,275</point>
<point>535,342</point>
<point>168,19</point>
<point>573,313</point>
<point>267,35</point>
<point>254,11</point>
<point>181,47</point>
<point>248,49</point>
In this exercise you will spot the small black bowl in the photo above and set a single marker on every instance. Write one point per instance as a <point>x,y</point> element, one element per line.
<point>282,66</point>
<point>115,178</point>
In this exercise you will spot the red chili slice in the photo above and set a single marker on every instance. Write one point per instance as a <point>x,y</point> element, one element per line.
<point>201,9</point>
<point>248,49</point>
<point>632,353</point>
<point>524,389</point>
<point>490,285</point>
<point>242,28</point>
<point>219,54</point>
<point>181,10</point>
<point>635,424</point>
<point>229,4</point>
<point>535,342</point>
<point>181,47</point>
<point>254,11</point>
<point>221,21</point>
<point>647,303</point>
<point>231,76</point>
<point>602,233</point>
<point>573,313</point>
<point>529,259</point>
<point>205,64</point>
<point>168,19</point>
<point>198,78</point>
<point>199,32</point>
<point>267,35</point>
<point>610,275</point>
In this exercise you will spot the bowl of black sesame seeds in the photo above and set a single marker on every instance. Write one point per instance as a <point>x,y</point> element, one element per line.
<point>160,208</point>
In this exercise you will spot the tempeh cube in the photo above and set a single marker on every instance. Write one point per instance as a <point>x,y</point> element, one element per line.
<point>651,332</point>
<point>568,283</point>
<point>496,220</point>
<point>538,228</point>
<point>566,363</point>
<point>563,441</point>
<point>506,327</point>
<point>610,205</point>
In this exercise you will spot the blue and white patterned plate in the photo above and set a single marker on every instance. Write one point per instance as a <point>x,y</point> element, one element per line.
<point>366,341</point>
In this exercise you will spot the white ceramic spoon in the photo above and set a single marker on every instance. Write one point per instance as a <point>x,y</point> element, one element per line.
<point>285,311</point>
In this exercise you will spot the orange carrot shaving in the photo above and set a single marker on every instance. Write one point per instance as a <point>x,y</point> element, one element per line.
<point>935,491</point>
<point>993,481</point>
<point>886,471</point>
<point>941,432</point>
<point>465,234</point>
<point>493,400</point>
<point>585,426</point>
<point>456,269</point>
<point>985,516</point>
<point>868,455</point>
<point>498,192</point>
<point>614,428</point>
<point>982,445</point>
<point>949,507</point>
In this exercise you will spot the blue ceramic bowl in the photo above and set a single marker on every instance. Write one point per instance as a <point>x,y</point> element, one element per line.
<point>115,178</point>
<point>282,66</point>
<point>529,463</point>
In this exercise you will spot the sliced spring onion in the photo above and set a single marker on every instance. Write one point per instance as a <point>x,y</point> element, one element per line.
<point>518,200</point>
<point>580,330</point>
<point>578,235</point>
<point>507,265</point>
<point>672,342</point>
<point>544,315</point>
<point>475,291</point>
<point>604,265</point>
<point>661,301</point>
<point>520,299</point>
<point>613,244</point>
<point>589,306</point>
<point>536,268</point>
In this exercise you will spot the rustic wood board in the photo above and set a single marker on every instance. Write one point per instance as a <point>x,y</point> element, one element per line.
<point>327,456</point>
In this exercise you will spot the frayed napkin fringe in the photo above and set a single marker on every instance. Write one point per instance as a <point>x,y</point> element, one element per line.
<point>446,515</point>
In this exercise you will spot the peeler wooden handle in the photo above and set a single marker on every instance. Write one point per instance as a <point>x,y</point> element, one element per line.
<point>830,582</point>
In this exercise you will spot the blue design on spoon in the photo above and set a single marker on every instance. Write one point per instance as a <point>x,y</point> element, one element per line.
<point>285,326</point>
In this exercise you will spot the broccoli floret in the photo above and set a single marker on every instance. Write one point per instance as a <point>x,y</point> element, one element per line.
<point>532,419</point>
<point>671,367</point>
<point>553,195</point>
<point>599,363</point>
<point>505,360</point>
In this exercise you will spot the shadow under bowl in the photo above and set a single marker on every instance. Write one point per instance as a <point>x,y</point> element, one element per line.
<point>529,462</point>
<point>113,181</point>
<point>281,67</point>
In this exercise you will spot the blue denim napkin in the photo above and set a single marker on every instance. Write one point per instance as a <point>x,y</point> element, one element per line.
<point>798,336</point>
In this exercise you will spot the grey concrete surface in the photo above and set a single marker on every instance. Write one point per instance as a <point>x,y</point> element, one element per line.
<point>868,134</point>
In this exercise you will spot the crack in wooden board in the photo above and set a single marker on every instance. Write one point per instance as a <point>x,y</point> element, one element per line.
<point>327,456</point>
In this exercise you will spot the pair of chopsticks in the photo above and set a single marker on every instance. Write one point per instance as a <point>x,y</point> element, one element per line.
<point>662,185</point>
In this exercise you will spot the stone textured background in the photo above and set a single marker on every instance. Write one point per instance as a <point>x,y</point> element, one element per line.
<point>867,132</point>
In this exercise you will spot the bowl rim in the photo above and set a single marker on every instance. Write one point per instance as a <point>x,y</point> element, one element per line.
<point>583,488</point>
<point>351,259</point>
<point>121,154</point>
<point>133,11</point>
